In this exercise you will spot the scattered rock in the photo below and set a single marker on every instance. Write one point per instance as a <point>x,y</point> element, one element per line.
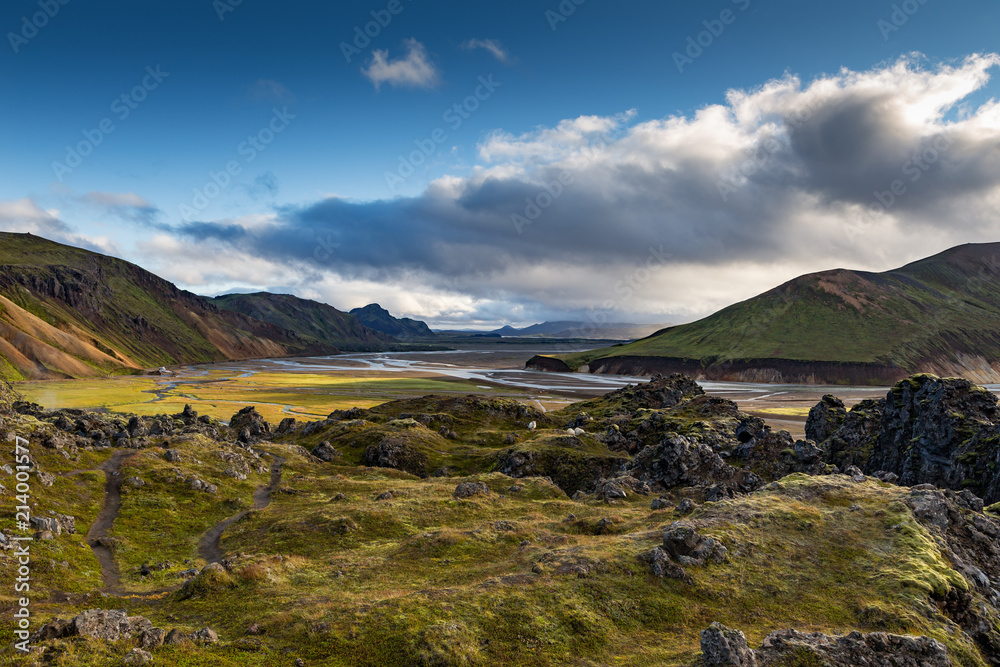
<point>324,451</point>
<point>138,657</point>
<point>686,506</point>
<point>689,547</point>
<point>722,647</point>
<point>205,636</point>
<point>394,452</point>
<point>175,637</point>
<point>471,489</point>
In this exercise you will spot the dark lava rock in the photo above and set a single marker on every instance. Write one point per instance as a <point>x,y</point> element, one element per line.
<point>250,425</point>
<point>941,431</point>
<point>661,566</point>
<point>689,547</point>
<point>324,451</point>
<point>660,392</point>
<point>471,489</point>
<point>396,453</point>
<point>683,461</point>
<point>722,647</point>
<point>825,418</point>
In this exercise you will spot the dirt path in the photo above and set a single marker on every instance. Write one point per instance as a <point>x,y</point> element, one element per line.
<point>106,518</point>
<point>209,546</point>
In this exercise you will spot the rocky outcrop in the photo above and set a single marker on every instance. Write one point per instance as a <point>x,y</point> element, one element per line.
<point>825,418</point>
<point>659,393</point>
<point>683,461</point>
<point>940,431</point>
<point>970,540</point>
<point>324,451</point>
<point>722,647</point>
<point>471,490</point>
<point>249,425</point>
<point>396,453</point>
<point>109,625</point>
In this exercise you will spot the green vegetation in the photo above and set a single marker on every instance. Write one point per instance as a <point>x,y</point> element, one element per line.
<point>350,565</point>
<point>81,314</point>
<point>936,314</point>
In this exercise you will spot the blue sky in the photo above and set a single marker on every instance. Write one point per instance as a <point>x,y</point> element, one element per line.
<point>228,72</point>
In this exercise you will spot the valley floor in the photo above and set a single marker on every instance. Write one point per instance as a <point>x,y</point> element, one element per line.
<point>310,388</point>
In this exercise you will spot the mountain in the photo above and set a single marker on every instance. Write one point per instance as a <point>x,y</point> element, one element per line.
<point>572,329</point>
<point>376,317</point>
<point>309,319</point>
<point>939,315</point>
<point>68,312</point>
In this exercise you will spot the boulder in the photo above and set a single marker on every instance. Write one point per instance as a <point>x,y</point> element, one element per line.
<point>722,647</point>
<point>137,656</point>
<point>825,418</point>
<point>394,452</point>
<point>471,489</point>
<point>689,547</point>
<point>324,451</point>
<point>205,636</point>
<point>250,425</point>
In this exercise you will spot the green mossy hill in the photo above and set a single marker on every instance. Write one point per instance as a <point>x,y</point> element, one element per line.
<point>939,315</point>
<point>309,319</point>
<point>68,312</point>
<point>335,550</point>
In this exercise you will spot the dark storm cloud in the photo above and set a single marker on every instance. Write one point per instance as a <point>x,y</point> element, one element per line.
<point>782,171</point>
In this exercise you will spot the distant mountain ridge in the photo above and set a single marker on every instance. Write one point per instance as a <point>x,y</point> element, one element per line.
<point>68,312</point>
<point>939,315</point>
<point>570,329</point>
<point>575,329</point>
<point>378,318</point>
<point>310,319</point>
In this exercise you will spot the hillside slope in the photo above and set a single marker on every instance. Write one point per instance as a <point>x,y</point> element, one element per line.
<point>939,315</point>
<point>376,317</point>
<point>309,319</point>
<point>68,312</point>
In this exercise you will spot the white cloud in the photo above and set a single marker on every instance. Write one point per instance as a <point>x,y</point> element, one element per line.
<point>26,216</point>
<point>777,181</point>
<point>414,70</point>
<point>491,45</point>
<point>270,90</point>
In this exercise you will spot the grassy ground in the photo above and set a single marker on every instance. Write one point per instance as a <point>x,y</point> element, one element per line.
<point>338,573</point>
<point>221,393</point>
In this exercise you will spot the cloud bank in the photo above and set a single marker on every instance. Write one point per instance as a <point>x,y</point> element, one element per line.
<point>644,220</point>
